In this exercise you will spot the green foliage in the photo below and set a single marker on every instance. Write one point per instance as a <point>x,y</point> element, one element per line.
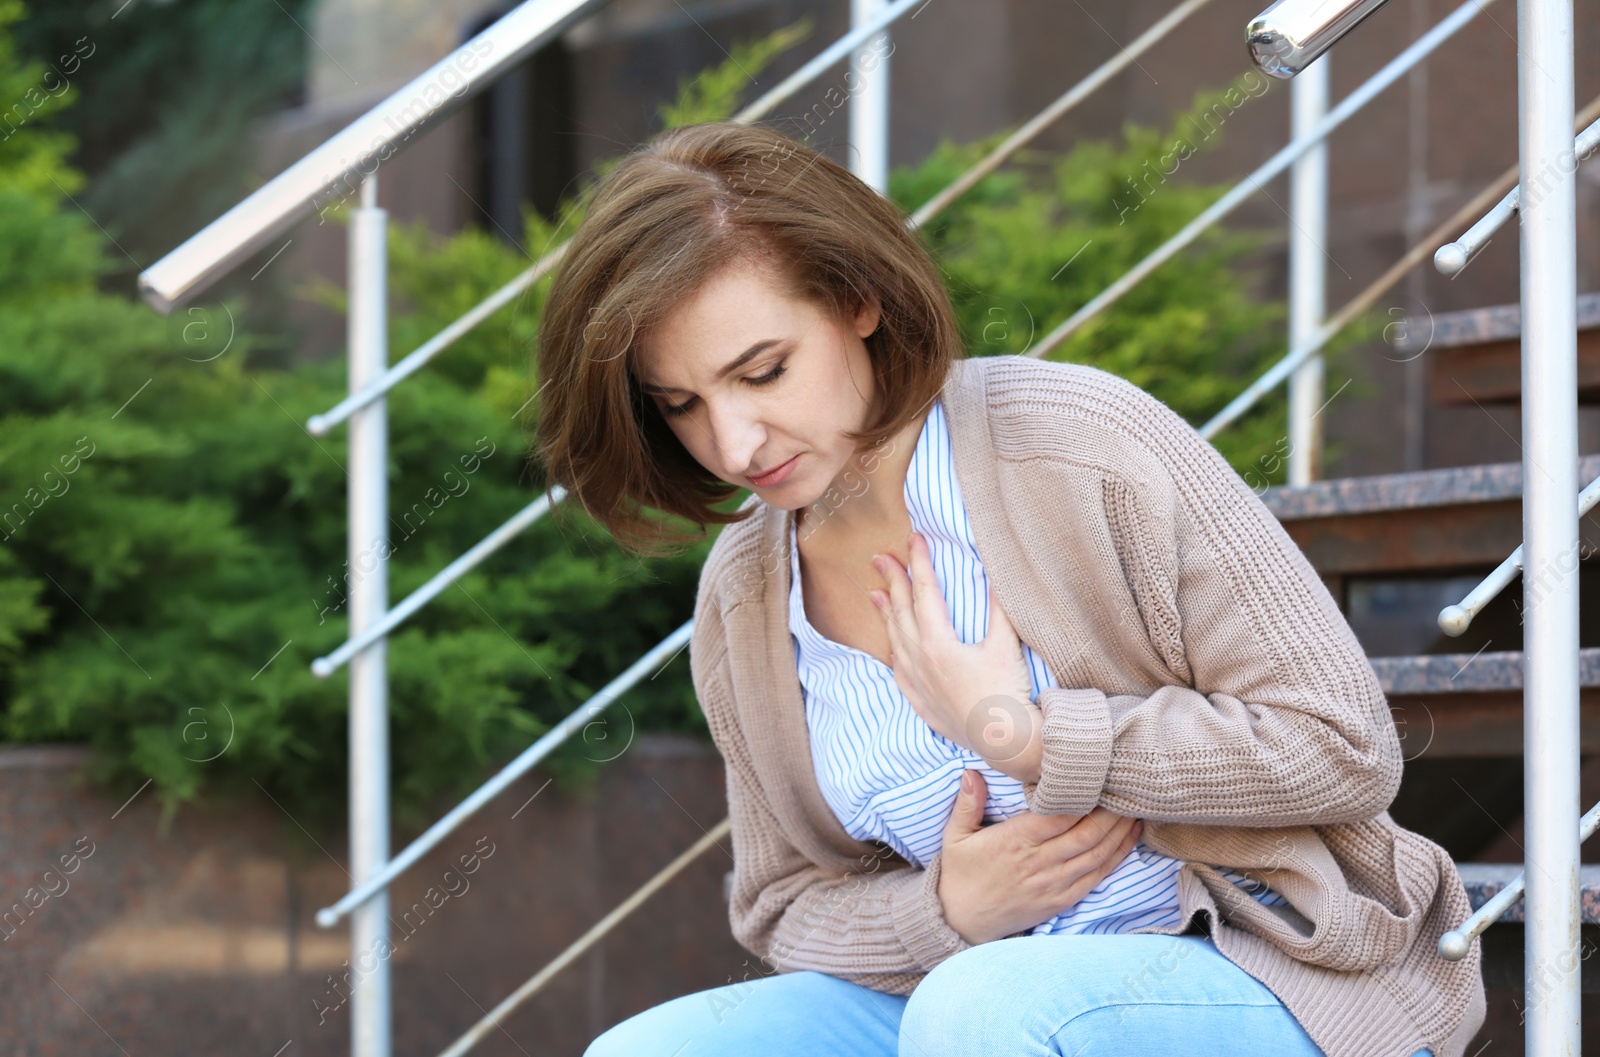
<point>1025,249</point>
<point>164,96</point>
<point>172,544</point>
<point>713,95</point>
<point>172,551</point>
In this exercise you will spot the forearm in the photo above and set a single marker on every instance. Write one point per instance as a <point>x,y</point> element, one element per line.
<point>879,919</point>
<point>869,925</point>
<point>1185,756</point>
<point>1273,715</point>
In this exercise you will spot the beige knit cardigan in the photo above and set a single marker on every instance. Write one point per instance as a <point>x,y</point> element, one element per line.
<point>1208,685</point>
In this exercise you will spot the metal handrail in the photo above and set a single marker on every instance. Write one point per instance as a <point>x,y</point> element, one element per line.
<point>1292,34</point>
<point>320,425</point>
<point>1454,945</point>
<point>1363,301</point>
<point>1453,257</point>
<point>1280,161</point>
<point>496,1016</point>
<point>369,140</point>
<point>328,917</point>
<point>1456,619</point>
<point>323,667</point>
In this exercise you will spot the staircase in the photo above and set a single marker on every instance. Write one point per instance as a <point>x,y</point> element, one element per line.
<point>1423,539</point>
<point>1393,549</point>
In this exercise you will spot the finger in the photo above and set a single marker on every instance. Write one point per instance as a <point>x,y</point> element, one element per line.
<point>1094,828</point>
<point>1044,828</point>
<point>928,605</point>
<point>1081,874</point>
<point>1114,856</point>
<point>1119,840</point>
<point>966,817</point>
<point>1115,834</point>
<point>891,626</point>
<point>899,610</point>
<point>1000,626</point>
<point>1035,829</point>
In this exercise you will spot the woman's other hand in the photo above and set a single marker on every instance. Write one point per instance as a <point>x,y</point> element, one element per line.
<point>1000,879</point>
<point>978,696</point>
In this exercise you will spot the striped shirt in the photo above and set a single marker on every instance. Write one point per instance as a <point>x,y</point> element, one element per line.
<point>888,776</point>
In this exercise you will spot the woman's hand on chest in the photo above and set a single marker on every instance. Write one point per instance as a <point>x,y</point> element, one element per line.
<point>979,696</point>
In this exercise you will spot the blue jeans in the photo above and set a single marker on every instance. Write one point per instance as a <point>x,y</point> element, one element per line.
<point>1039,996</point>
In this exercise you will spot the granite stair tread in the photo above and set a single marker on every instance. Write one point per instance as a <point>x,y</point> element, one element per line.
<point>1454,486</point>
<point>1467,673</point>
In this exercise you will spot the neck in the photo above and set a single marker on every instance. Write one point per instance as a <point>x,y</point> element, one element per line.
<point>869,493</point>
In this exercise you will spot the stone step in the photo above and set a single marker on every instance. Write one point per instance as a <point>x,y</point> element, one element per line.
<point>1470,704</point>
<point>1430,520</point>
<point>1476,356</point>
<point>1503,944</point>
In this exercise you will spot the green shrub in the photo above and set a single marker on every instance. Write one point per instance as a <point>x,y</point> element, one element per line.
<point>164,598</point>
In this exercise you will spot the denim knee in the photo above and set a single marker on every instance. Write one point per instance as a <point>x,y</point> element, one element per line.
<point>971,986</point>
<point>798,1014</point>
<point>1051,993</point>
<point>622,1038</point>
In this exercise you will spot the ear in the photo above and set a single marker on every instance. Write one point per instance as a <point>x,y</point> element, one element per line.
<point>867,316</point>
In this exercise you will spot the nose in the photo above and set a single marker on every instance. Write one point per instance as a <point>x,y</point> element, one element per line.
<point>738,434</point>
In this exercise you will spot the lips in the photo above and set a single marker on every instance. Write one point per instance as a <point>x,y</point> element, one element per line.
<point>766,478</point>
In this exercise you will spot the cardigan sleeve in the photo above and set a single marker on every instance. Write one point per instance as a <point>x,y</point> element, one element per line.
<point>1278,719</point>
<point>880,925</point>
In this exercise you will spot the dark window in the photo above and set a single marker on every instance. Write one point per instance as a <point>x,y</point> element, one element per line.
<point>523,138</point>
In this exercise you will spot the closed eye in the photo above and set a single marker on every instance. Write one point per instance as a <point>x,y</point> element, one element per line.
<point>672,411</point>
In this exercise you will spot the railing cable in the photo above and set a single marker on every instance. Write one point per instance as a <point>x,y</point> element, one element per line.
<point>323,667</point>
<point>1368,297</point>
<point>496,1016</point>
<point>1053,113</point>
<point>1454,945</point>
<point>1453,257</point>
<point>1455,620</point>
<point>328,917</point>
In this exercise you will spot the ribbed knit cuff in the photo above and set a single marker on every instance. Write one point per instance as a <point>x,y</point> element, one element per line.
<point>919,919</point>
<point>1077,752</point>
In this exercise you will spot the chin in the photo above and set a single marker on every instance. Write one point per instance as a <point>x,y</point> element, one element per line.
<point>792,494</point>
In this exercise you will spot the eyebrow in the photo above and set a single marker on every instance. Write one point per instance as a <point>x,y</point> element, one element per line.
<point>739,361</point>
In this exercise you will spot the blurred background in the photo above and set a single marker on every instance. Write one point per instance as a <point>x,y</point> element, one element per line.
<point>172,541</point>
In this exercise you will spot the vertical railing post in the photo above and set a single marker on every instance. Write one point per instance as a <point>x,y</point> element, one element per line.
<point>370,1022</point>
<point>1549,529</point>
<point>869,107</point>
<point>1308,239</point>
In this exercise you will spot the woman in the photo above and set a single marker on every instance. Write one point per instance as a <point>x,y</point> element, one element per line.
<point>1041,736</point>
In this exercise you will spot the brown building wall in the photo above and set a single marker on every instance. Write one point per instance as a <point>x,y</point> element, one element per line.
<point>198,937</point>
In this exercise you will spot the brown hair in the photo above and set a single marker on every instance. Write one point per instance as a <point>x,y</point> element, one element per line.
<point>672,214</point>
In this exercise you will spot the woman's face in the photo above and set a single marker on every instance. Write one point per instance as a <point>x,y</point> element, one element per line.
<point>750,380</point>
